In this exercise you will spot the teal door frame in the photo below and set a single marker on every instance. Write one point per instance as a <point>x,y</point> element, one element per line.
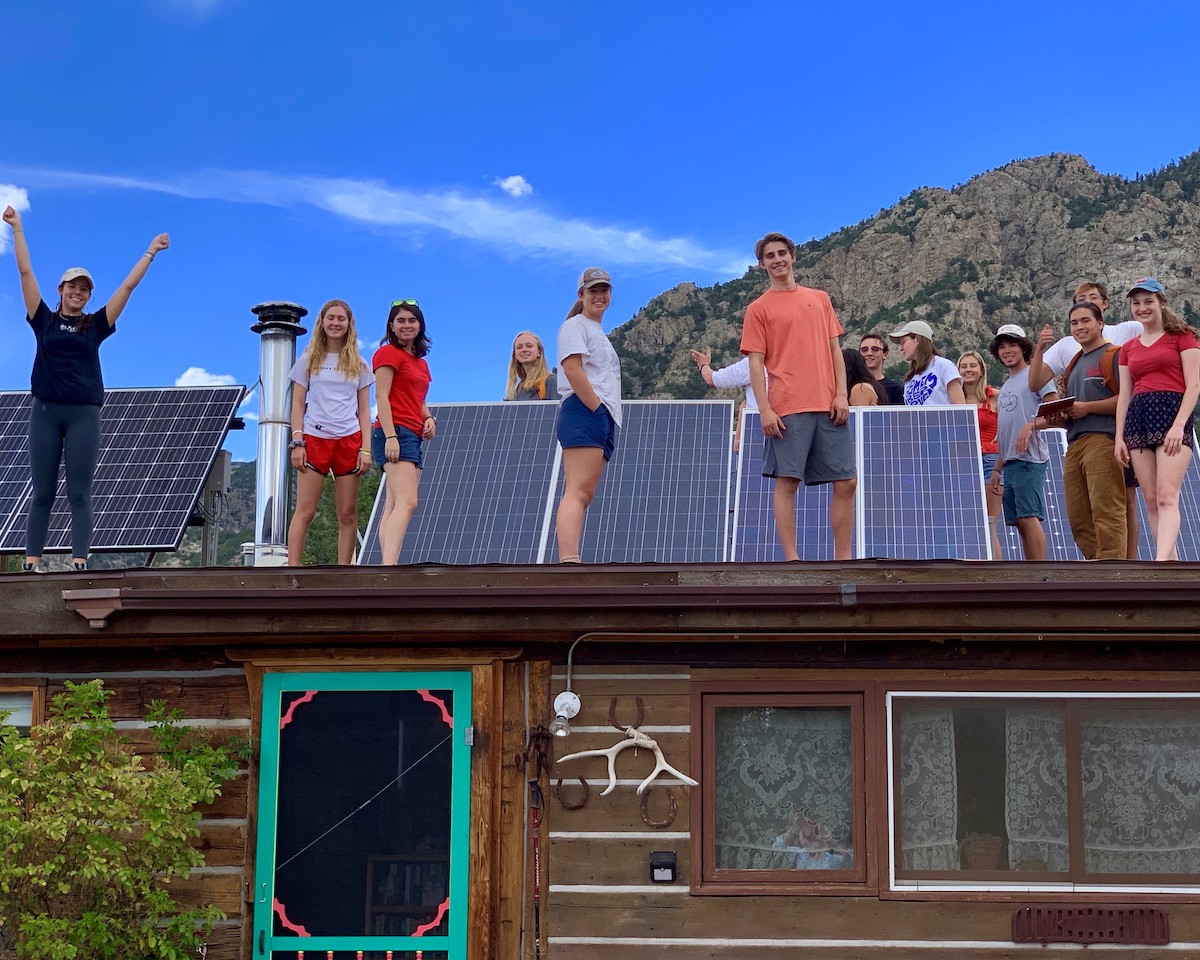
<point>454,942</point>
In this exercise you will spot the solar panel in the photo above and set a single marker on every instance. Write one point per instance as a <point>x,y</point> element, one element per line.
<point>1060,542</point>
<point>754,539</point>
<point>1188,544</point>
<point>157,448</point>
<point>484,488</point>
<point>664,497</point>
<point>920,490</point>
<point>492,480</point>
<point>920,486</point>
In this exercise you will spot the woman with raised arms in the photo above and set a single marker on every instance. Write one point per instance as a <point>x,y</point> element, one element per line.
<point>68,391</point>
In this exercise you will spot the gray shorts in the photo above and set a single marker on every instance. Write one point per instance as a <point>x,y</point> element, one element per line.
<point>812,449</point>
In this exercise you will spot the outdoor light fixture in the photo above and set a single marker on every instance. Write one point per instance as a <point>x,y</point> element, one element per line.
<point>662,866</point>
<point>566,706</point>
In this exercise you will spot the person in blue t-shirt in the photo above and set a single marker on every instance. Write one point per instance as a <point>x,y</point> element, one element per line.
<point>68,391</point>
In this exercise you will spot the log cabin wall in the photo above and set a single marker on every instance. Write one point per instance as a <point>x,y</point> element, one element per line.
<point>603,905</point>
<point>212,693</point>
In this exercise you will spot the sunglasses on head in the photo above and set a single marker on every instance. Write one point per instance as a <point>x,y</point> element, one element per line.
<point>405,303</point>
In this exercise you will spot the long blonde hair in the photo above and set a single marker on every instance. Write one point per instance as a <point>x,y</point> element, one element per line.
<point>978,393</point>
<point>350,362</point>
<point>519,378</point>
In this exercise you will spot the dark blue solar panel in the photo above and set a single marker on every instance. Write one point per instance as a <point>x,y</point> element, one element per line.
<point>484,488</point>
<point>754,539</point>
<point>664,497</point>
<point>1188,544</point>
<point>157,448</point>
<point>1060,543</point>
<point>920,487</point>
<point>920,490</point>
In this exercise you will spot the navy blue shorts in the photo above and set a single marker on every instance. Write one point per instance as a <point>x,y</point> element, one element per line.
<point>577,426</point>
<point>410,447</point>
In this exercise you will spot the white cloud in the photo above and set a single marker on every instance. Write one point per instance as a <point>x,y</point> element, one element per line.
<point>514,186</point>
<point>523,230</point>
<point>11,196</point>
<point>199,377</point>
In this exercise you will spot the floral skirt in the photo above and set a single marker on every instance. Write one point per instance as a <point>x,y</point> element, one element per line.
<point>1150,416</point>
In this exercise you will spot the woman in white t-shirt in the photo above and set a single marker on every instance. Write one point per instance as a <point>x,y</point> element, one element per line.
<point>590,411</point>
<point>931,380</point>
<point>331,416</point>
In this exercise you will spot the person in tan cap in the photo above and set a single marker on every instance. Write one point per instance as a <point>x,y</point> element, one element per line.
<point>590,411</point>
<point>68,391</point>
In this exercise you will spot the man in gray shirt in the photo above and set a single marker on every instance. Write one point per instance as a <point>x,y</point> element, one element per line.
<point>1020,474</point>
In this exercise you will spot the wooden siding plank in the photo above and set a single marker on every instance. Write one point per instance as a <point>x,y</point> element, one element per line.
<point>620,810</point>
<point>615,914</point>
<point>223,843</point>
<point>198,697</point>
<point>618,860</point>
<point>731,949</point>
<point>224,890</point>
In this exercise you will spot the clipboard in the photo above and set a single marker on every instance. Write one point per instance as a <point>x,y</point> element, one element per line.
<point>1052,408</point>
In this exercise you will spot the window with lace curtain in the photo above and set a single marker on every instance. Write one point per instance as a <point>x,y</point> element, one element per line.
<point>782,796</point>
<point>994,789</point>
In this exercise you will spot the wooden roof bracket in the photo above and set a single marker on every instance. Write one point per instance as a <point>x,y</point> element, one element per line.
<point>95,606</point>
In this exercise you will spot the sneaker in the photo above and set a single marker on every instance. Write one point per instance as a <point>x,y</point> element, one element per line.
<point>79,565</point>
<point>33,568</point>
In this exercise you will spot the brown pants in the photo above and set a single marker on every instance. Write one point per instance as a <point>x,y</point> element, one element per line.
<point>1095,492</point>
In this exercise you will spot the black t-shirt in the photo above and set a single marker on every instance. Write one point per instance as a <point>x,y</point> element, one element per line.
<point>895,391</point>
<point>66,367</point>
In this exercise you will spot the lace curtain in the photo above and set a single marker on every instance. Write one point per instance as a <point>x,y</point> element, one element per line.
<point>928,789</point>
<point>1035,789</point>
<point>784,778</point>
<point>1141,791</point>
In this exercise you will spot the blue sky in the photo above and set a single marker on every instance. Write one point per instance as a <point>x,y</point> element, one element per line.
<point>477,156</point>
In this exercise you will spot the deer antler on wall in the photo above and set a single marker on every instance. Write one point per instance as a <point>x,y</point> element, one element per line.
<point>636,739</point>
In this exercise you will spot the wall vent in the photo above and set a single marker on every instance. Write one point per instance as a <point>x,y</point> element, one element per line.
<point>1101,923</point>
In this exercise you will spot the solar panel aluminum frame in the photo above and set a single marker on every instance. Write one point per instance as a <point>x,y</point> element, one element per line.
<point>549,494</point>
<point>752,440</point>
<point>184,451</point>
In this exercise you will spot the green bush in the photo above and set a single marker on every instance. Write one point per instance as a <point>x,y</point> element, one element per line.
<point>91,837</point>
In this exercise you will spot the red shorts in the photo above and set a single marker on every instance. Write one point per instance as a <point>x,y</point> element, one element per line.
<point>339,457</point>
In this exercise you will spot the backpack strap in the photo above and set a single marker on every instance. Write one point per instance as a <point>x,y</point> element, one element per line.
<point>542,389</point>
<point>1108,370</point>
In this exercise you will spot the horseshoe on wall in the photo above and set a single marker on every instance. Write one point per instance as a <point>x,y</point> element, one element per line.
<point>660,824</point>
<point>612,714</point>
<point>574,804</point>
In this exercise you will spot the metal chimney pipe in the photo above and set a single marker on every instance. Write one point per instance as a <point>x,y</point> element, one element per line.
<point>278,326</point>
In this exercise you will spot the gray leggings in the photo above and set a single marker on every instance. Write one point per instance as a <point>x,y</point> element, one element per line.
<point>59,431</point>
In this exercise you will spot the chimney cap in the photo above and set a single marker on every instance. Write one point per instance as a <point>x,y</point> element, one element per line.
<point>279,314</point>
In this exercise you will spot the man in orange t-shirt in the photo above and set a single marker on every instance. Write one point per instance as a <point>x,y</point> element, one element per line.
<point>792,333</point>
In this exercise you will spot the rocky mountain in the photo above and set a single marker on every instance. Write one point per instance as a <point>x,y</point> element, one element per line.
<point>1007,246</point>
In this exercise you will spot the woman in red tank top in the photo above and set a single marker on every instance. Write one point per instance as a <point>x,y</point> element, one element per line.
<point>973,369</point>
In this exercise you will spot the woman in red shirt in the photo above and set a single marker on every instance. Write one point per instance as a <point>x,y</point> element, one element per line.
<point>1160,383</point>
<point>973,369</point>
<point>401,383</point>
